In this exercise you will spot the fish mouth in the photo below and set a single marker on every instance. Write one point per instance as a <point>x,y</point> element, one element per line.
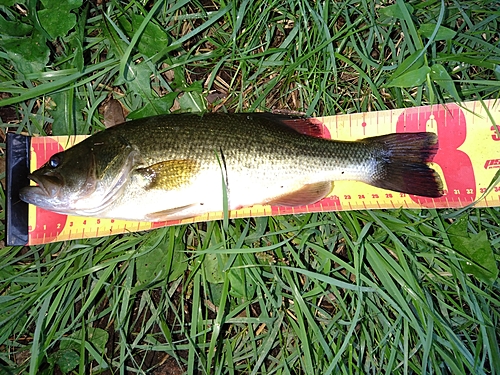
<point>47,187</point>
<point>50,184</point>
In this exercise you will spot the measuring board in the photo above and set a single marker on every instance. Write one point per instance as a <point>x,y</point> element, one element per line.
<point>467,160</point>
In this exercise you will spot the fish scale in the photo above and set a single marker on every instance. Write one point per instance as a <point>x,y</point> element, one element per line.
<point>178,166</point>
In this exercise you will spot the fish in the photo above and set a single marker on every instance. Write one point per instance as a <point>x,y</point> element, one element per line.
<point>171,167</point>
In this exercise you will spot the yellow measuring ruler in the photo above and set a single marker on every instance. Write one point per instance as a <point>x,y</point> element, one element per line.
<point>467,160</point>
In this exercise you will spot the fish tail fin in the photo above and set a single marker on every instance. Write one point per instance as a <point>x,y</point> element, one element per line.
<point>402,164</point>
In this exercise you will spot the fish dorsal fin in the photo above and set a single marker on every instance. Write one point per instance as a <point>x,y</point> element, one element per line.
<point>303,125</point>
<point>307,126</point>
<point>307,194</point>
<point>170,174</point>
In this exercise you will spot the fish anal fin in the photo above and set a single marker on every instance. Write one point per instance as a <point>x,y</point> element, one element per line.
<point>170,174</point>
<point>307,194</point>
<point>169,214</point>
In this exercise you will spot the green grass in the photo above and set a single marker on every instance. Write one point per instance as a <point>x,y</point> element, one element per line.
<point>363,292</point>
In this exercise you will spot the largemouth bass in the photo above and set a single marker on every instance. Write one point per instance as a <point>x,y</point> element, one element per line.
<point>179,166</point>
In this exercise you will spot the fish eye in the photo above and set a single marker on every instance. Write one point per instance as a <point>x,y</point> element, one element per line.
<point>55,161</point>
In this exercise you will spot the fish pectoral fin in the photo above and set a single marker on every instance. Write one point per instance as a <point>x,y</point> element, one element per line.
<point>307,194</point>
<point>170,174</point>
<point>169,214</point>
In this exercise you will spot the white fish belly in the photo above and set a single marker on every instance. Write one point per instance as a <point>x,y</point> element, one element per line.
<point>245,187</point>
